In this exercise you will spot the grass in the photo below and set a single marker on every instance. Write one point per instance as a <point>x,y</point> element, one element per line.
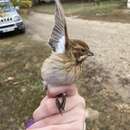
<point>20,80</point>
<point>110,11</point>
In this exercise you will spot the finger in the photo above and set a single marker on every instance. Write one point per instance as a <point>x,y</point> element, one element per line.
<point>48,106</point>
<point>74,115</point>
<point>75,125</point>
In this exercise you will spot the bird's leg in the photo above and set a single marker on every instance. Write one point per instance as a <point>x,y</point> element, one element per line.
<point>60,102</point>
<point>63,101</point>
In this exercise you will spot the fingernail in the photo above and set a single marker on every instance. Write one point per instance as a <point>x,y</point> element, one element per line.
<point>29,123</point>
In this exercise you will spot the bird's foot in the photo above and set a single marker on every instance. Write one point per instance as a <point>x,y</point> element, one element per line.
<point>60,102</point>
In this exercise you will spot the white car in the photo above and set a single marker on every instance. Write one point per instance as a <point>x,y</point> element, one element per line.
<point>10,20</point>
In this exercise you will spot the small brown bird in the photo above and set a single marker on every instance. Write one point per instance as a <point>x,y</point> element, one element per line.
<point>64,65</point>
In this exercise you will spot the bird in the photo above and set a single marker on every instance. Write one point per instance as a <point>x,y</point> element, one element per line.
<point>64,65</point>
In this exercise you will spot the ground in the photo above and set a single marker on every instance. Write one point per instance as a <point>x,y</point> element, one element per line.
<point>105,82</point>
<point>113,11</point>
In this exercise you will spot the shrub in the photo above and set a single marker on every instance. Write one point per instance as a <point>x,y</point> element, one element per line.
<point>15,2</point>
<point>23,3</point>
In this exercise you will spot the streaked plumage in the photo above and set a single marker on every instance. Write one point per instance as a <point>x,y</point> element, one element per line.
<point>59,70</point>
<point>65,63</point>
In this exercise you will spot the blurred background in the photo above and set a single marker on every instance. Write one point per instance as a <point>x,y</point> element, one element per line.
<point>105,82</point>
<point>87,9</point>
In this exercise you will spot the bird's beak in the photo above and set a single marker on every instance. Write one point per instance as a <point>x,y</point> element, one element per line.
<point>90,53</point>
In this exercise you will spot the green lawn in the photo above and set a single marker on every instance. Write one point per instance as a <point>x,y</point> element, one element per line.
<point>21,88</point>
<point>112,11</point>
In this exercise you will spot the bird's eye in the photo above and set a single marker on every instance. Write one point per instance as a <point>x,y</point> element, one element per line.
<point>83,50</point>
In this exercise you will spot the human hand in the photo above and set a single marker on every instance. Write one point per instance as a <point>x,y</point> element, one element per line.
<point>47,117</point>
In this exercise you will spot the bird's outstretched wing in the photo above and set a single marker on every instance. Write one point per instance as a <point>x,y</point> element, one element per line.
<point>59,37</point>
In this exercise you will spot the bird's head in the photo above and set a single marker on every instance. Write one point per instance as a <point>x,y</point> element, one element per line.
<point>79,50</point>
<point>60,42</point>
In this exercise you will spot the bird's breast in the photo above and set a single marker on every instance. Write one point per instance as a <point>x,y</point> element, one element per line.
<point>59,70</point>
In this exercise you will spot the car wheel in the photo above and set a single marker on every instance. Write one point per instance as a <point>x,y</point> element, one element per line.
<point>1,35</point>
<point>22,30</point>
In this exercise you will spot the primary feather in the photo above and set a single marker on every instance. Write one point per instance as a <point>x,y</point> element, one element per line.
<point>59,37</point>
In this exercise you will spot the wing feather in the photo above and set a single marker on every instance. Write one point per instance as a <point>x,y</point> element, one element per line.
<point>59,37</point>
